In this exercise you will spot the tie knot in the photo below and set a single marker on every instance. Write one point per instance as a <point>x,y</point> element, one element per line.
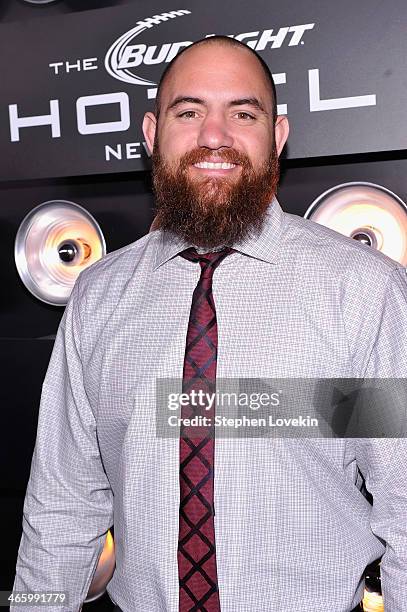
<point>208,261</point>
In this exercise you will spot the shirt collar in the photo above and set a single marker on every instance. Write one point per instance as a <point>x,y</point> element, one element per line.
<point>264,246</point>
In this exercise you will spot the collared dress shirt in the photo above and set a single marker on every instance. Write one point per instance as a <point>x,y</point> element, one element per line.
<point>293,530</point>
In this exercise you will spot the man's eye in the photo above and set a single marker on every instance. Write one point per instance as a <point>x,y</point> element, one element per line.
<point>244,115</point>
<point>187,114</point>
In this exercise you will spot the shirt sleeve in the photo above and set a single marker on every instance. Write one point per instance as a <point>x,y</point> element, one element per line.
<point>68,506</point>
<point>383,462</point>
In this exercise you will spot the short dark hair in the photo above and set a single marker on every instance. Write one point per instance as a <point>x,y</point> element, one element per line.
<point>225,41</point>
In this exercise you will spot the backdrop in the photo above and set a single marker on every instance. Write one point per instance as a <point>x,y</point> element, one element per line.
<point>74,106</point>
<point>341,76</point>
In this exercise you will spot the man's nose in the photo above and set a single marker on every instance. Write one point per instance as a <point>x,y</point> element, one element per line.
<point>214,133</point>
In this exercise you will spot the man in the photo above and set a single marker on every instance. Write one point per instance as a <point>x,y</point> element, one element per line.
<point>228,287</point>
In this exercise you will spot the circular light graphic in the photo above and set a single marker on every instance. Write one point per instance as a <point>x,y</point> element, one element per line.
<point>372,598</point>
<point>372,602</point>
<point>54,243</point>
<point>365,212</point>
<point>104,570</point>
<point>39,1</point>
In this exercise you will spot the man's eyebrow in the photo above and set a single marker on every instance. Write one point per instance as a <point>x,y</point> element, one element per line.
<point>239,102</point>
<point>184,99</point>
<point>248,102</point>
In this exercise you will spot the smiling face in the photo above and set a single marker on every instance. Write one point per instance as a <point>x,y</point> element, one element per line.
<point>214,144</point>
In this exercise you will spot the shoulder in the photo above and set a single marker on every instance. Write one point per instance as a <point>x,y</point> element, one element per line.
<point>107,277</point>
<point>364,285</point>
<point>339,256</point>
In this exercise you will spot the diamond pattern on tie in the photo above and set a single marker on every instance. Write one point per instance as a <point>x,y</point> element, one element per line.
<point>196,546</point>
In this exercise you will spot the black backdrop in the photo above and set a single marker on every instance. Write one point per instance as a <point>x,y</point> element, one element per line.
<point>123,205</point>
<point>338,69</point>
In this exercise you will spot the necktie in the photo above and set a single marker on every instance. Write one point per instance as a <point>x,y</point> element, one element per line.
<point>198,583</point>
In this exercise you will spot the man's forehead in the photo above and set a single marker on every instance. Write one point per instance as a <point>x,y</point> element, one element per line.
<point>215,57</point>
<point>215,69</point>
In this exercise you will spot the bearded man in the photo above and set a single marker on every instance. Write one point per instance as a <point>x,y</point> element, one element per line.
<point>227,286</point>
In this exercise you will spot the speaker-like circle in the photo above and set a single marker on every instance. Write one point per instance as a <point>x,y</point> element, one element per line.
<point>40,1</point>
<point>366,212</point>
<point>104,570</point>
<point>54,243</point>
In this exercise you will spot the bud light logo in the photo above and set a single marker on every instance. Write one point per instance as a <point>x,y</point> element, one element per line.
<point>124,56</point>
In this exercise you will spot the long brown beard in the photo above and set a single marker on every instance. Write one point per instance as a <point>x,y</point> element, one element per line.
<point>212,212</point>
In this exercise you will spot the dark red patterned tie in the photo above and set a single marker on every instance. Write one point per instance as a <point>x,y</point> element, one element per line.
<point>198,582</point>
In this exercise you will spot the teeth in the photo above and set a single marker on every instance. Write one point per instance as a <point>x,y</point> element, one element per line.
<point>215,166</point>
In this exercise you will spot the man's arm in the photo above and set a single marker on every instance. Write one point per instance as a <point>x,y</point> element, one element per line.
<point>68,506</point>
<point>383,462</point>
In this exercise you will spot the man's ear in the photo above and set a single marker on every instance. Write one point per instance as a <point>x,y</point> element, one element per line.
<point>149,130</point>
<point>281,130</point>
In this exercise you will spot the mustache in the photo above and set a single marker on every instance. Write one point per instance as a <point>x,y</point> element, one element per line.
<point>198,155</point>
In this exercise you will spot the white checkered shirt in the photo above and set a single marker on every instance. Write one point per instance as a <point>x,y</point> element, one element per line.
<point>293,530</point>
